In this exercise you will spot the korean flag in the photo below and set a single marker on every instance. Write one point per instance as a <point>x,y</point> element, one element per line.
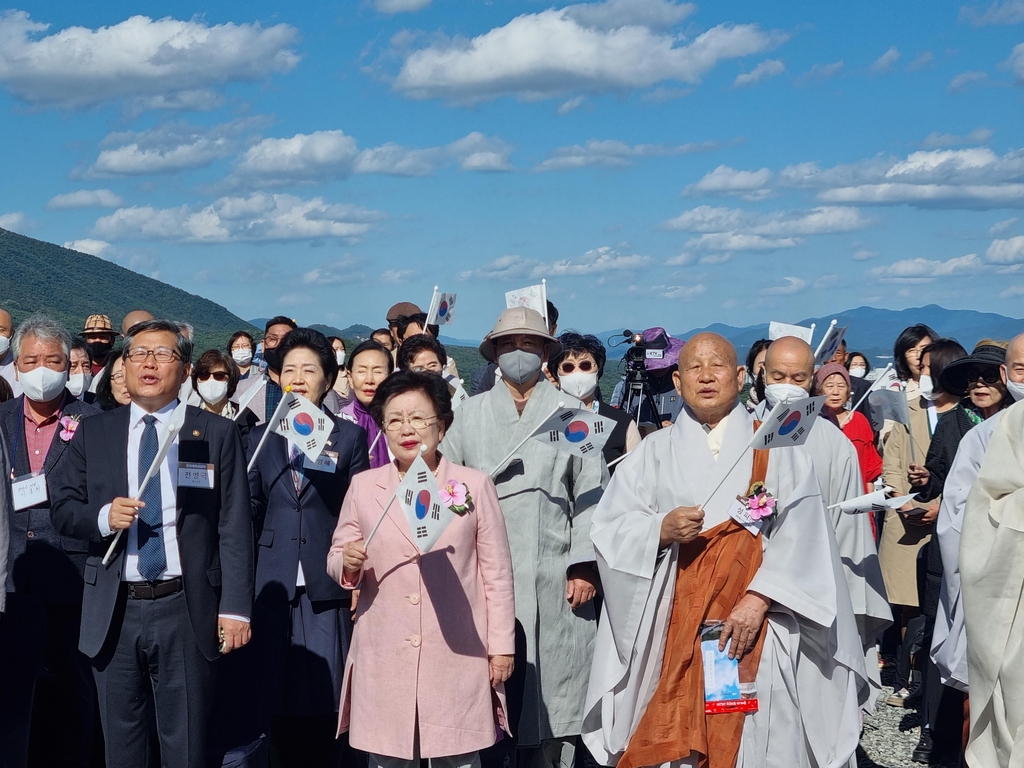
<point>788,424</point>
<point>575,430</point>
<point>427,516</point>
<point>302,424</point>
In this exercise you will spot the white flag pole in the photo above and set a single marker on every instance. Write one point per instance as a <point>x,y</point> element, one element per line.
<point>158,460</point>
<point>383,514</point>
<point>375,441</point>
<point>544,305</point>
<point>821,344</point>
<point>813,326</point>
<point>613,462</point>
<point>432,310</point>
<point>529,437</point>
<point>249,396</point>
<point>872,388</point>
<point>725,477</point>
<point>267,431</point>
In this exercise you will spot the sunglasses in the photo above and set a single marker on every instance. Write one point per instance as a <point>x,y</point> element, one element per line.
<point>584,365</point>
<point>217,375</point>
<point>987,375</point>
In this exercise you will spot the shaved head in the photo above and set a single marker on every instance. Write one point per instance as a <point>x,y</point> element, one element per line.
<point>709,377</point>
<point>133,318</point>
<point>1013,369</point>
<point>789,361</point>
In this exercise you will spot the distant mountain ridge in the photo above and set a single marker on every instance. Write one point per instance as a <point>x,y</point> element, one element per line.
<point>36,276</point>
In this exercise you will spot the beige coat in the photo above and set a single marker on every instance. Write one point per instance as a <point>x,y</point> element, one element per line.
<point>901,541</point>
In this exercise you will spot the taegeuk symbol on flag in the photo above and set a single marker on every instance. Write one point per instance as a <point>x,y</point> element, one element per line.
<point>788,424</point>
<point>419,498</point>
<point>575,430</point>
<point>303,424</point>
<point>442,308</point>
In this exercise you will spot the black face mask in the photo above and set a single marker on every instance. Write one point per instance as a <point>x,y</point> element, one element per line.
<point>272,357</point>
<point>98,350</point>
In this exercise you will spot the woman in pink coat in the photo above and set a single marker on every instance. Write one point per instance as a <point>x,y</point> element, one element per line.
<point>434,635</point>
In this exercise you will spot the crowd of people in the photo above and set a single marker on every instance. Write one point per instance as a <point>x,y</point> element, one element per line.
<point>185,586</point>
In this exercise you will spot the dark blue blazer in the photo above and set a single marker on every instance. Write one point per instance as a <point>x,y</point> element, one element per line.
<point>52,567</point>
<point>214,527</point>
<point>299,526</point>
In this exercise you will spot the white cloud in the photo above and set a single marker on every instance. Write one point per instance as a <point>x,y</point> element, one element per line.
<point>733,229</point>
<point>1012,291</point>
<point>999,12</point>
<point>139,58</point>
<point>341,271</point>
<point>938,140</point>
<point>1009,251</point>
<point>963,178</point>
<point>168,148</point>
<point>400,6</point>
<point>923,60</point>
<point>680,291</point>
<point>395,276</point>
<point>14,222</point>
<point>791,286</point>
<point>964,80</point>
<point>715,258</point>
<point>927,270</point>
<point>819,73</point>
<point>764,70</point>
<point>92,247</point>
<point>256,218</point>
<point>590,47</point>
<point>826,281</point>
<point>750,185</point>
<point>863,254</point>
<point>616,154</point>
<point>1016,63</point>
<point>325,155</point>
<point>595,261</point>
<point>85,198</point>
<point>509,267</point>
<point>573,103</point>
<point>1001,226</point>
<point>886,61</point>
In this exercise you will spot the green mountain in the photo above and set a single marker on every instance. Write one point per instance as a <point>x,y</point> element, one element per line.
<point>36,276</point>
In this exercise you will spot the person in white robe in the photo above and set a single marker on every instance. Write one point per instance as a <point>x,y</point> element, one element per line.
<point>548,497</point>
<point>789,374</point>
<point>811,680</point>
<point>949,641</point>
<point>992,594</point>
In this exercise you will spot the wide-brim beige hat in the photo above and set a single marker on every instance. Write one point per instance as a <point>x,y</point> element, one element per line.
<point>515,321</point>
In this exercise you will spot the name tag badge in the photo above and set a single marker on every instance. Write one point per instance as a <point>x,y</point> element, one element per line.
<point>28,490</point>
<point>739,512</point>
<point>327,461</point>
<point>192,475</point>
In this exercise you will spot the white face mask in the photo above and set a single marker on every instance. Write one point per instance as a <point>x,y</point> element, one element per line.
<point>578,384</point>
<point>858,373</point>
<point>782,393</point>
<point>78,383</point>
<point>241,356</point>
<point>928,389</point>
<point>213,391</point>
<point>5,344</point>
<point>1016,390</point>
<point>43,384</point>
<point>339,355</point>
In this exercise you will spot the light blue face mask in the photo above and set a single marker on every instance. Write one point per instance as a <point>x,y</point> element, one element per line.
<point>519,366</point>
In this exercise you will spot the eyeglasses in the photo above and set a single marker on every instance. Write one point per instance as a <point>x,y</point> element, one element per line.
<point>987,375</point>
<point>417,423</point>
<point>215,375</point>
<point>162,355</point>
<point>117,377</point>
<point>584,365</point>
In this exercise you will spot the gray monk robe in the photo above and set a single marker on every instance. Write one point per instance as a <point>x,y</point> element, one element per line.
<point>811,681</point>
<point>548,498</point>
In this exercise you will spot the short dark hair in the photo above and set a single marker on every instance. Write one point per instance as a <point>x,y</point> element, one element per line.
<point>371,346</point>
<point>382,332</point>
<point>163,326</point>
<point>420,319</point>
<point>207,361</point>
<point>279,320</point>
<point>941,352</point>
<point>578,343</point>
<point>552,316</point>
<point>908,339</point>
<point>82,346</point>
<point>755,349</point>
<point>315,342</point>
<point>421,342</point>
<point>241,335</point>
<point>430,384</point>
<point>861,355</point>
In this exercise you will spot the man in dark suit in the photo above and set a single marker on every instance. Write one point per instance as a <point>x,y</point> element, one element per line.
<point>46,568</point>
<point>178,590</point>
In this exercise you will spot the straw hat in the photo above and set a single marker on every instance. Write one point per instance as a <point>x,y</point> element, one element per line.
<point>519,320</point>
<point>98,324</point>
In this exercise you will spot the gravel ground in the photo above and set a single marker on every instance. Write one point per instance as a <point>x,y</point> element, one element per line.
<point>891,733</point>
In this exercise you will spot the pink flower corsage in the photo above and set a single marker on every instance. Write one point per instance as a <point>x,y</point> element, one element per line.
<point>456,496</point>
<point>68,425</point>
<point>760,504</point>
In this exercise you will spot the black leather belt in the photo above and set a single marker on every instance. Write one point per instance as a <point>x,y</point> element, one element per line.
<point>151,590</point>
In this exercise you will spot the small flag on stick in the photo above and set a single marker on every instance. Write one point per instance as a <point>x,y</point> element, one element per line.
<point>575,430</point>
<point>875,501</point>
<point>779,330</point>
<point>302,424</point>
<point>427,515</point>
<point>788,424</point>
<point>829,343</point>
<point>531,296</point>
<point>442,308</point>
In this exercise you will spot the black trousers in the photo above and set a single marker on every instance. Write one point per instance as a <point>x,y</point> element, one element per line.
<point>21,654</point>
<point>151,678</point>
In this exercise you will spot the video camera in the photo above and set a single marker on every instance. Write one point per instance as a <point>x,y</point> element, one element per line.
<point>636,356</point>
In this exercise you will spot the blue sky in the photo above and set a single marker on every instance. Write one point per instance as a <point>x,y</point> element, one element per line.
<point>659,163</point>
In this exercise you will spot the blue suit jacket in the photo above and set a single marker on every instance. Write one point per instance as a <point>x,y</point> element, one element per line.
<point>296,527</point>
<point>52,567</point>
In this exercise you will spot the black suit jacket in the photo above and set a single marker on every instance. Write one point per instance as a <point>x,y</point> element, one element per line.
<point>214,527</point>
<point>299,526</point>
<point>857,389</point>
<point>52,567</point>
